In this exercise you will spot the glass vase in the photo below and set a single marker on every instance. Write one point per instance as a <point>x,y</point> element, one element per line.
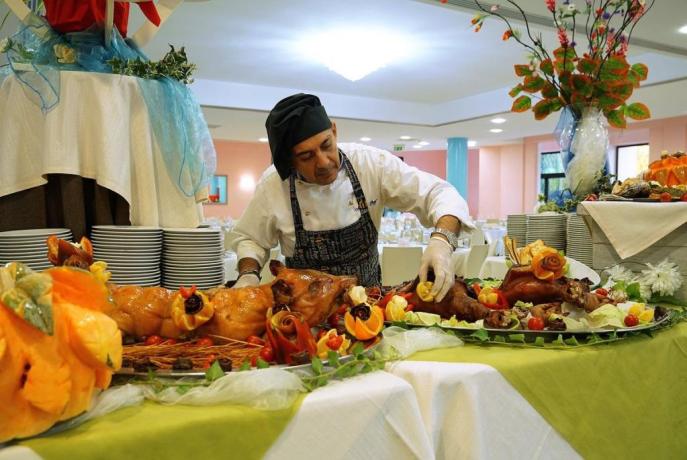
<point>584,144</point>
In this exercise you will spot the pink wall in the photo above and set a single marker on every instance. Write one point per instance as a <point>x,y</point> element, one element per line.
<point>432,161</point>
<point>517,166</point>
<point>235,159</point>
<point>473,181</point>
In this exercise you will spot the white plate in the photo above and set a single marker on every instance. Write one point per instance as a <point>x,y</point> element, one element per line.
<point>125,228</point>
<point>34,232</point>
<point>126,251</point>
<point>192,280</point>
<point>183,231</point>
<point>152,238</point>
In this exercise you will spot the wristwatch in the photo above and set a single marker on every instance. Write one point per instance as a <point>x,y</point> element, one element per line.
<point>450,236</point>
<point>251,272</point>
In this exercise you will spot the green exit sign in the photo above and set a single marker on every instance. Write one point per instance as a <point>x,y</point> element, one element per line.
<point>399,147</point>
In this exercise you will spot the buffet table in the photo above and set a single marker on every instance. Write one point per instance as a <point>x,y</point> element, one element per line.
<point>100,130</point>
<point>620,400</point>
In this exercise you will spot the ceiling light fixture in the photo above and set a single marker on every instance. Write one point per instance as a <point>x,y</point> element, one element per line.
<point>683,29</point>
<point>496,130</point>
<point>405,138</point>
<point>423,143</point>
<point>365,139</point>
<point>472,143</point>
<point>355,53</point>
<point>417,146</point>
<point>263,139</point>
<point>498,120</point>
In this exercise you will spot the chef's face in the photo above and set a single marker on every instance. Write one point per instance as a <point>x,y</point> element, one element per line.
<point>317,158</point>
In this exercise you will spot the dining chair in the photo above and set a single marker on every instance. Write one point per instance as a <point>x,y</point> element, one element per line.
<point>477,237</point>
<point>400,264</point>
<point>477,256</point>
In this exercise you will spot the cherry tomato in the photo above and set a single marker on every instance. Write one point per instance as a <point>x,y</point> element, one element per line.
<point>666,197</point>
<point>267,354</point>
<point>153,340</point>
<point>209,360</point>
<point>335,342</point>
<point>535,324</point>
<point>631,320</point>
<point>683,197</point>
<point>169,342</point>
<point>601,292</point>
<point>333,320</point>
<point>204,342</point>
<point>255,340</point>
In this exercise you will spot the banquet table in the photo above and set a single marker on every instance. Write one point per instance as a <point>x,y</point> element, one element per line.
<point>618,400</point>
<point>100,130</point>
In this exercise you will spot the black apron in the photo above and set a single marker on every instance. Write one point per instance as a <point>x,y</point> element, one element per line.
<point>351,250</point>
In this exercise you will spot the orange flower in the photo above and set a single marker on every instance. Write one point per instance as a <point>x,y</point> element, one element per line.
<point>548,264</point>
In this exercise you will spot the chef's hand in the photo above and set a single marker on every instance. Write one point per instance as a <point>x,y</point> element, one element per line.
<point>247,280</point>
<point>437,256</point>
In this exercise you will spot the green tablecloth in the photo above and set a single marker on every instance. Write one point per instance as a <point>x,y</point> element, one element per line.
<point>622,400</point>
<point>171,432</point>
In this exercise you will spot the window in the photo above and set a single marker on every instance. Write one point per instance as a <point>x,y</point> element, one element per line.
<point>552,176</point>
<point>631,160</point>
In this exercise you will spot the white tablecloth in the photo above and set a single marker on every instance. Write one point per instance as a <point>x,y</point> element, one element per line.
<point>419,410</point>
<point>471,412</point>
<point>495,267</point>
<point>99,130</point>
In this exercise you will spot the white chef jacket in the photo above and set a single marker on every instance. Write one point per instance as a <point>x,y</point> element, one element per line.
<point>386,181</point>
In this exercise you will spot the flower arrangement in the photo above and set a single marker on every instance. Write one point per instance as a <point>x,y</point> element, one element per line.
<point>655,282</point>
<point>599,76</point>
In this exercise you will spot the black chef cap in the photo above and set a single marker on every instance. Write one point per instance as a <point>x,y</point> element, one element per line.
<point>293,120</point>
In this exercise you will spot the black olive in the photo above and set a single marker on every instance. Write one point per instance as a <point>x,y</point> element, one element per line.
<point>556,324</point>
<point>144,365</point>
<point>361,311</point>
<point>182,364</point>
<point>225,364</point>
<point>300,358</point>
<point>193,304</point>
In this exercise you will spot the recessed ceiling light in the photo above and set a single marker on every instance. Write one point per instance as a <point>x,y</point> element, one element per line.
<point>683,29</point>
<point>496,130</point>
<point>263,139</point>
<point>498,120</point>
<point>472,143</point>
<point>417,146</point>
<point>354,52</point>
<point>423,143</point>
<point>365,139</point>
<point>405,138</point>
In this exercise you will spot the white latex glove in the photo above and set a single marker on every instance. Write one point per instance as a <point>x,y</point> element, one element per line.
<point>437,256</point>
<point>247,280</point>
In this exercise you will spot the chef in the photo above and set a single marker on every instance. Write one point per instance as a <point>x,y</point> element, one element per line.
<point>322,202</point>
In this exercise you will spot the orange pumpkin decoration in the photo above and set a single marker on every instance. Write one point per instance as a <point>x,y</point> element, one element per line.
<point>48,378</point>
<point>669,171</point>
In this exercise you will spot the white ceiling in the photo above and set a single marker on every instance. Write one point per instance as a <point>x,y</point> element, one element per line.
<point>450,87</point>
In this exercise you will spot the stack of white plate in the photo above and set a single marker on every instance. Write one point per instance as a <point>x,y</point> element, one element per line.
<point>579,240</point>
<point>547,227</point>
<point>29,246</point>
<point>132,253</point>
<point>516,226</point>
<point>192,256</point>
